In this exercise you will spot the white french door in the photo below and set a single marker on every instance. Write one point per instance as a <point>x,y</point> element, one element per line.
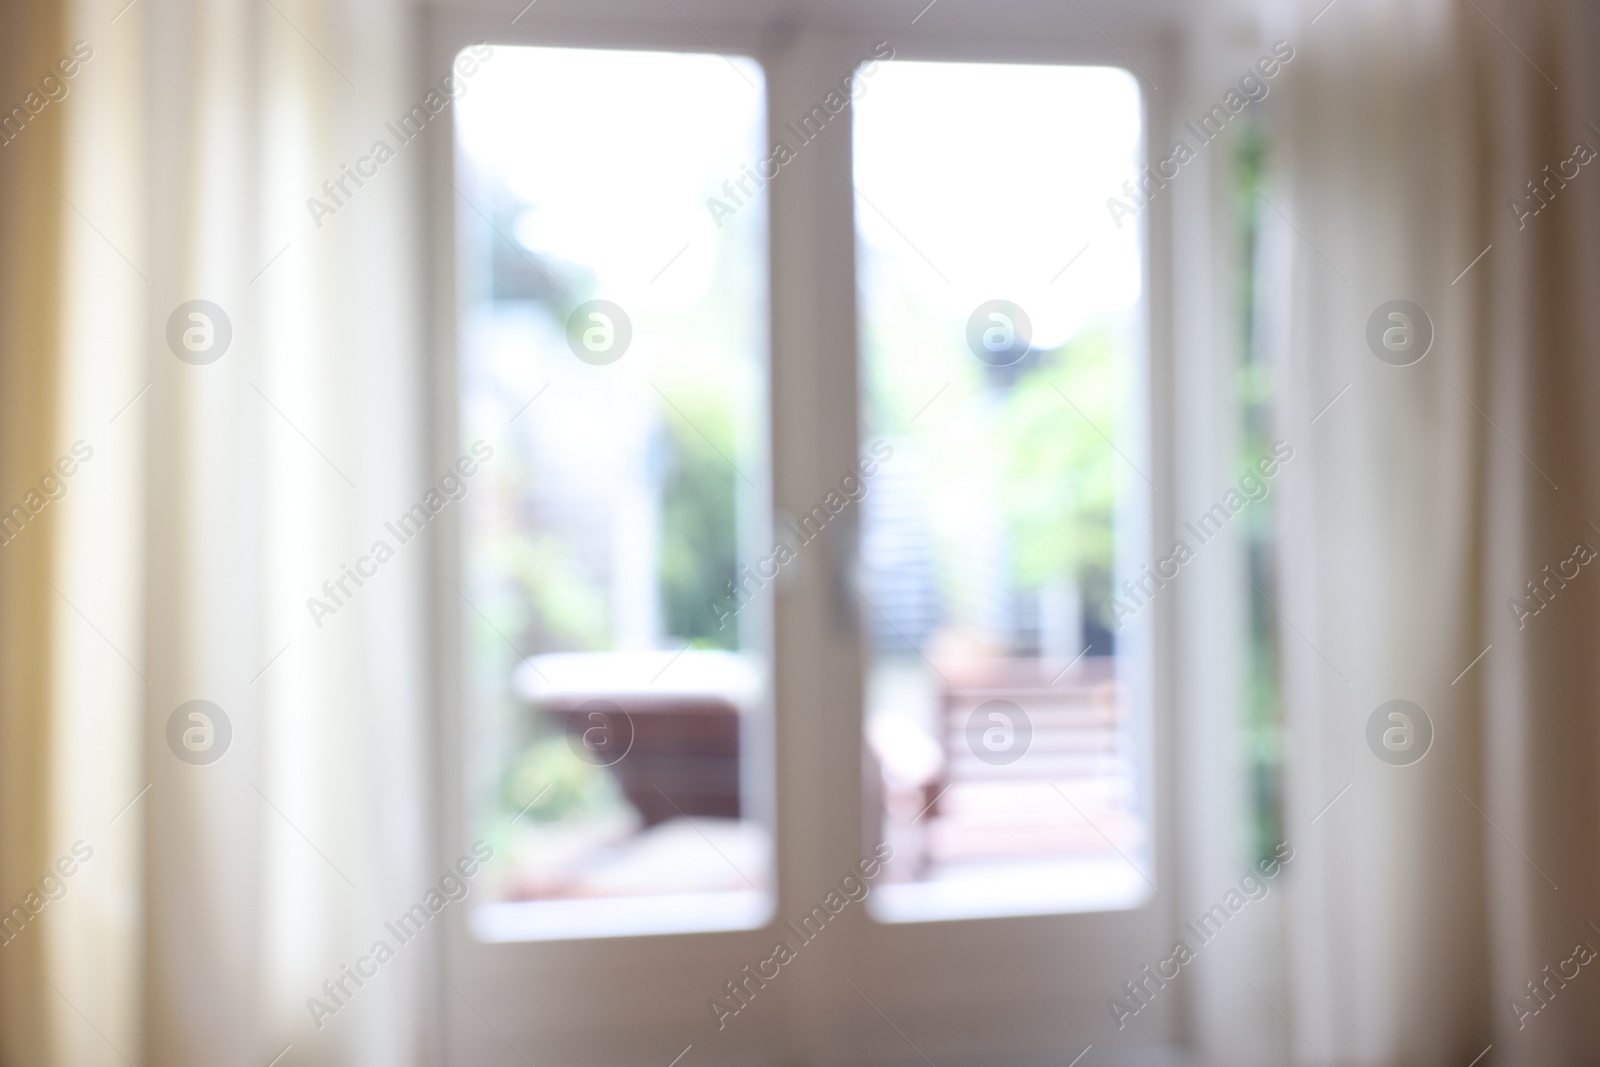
<point>837,708</point>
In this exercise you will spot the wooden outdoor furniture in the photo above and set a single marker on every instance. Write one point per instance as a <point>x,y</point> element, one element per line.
<point>675,722</point>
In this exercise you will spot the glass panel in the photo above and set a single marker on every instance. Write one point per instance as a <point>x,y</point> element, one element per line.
<point>1000,297</point>
<point>613,358</point>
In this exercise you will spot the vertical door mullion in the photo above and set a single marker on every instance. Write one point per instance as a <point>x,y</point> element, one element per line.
<point>814,426</point>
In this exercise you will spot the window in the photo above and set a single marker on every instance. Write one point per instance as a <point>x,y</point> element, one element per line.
<point>613,364</point>
<point>999,340</point>
<point>680,343</point>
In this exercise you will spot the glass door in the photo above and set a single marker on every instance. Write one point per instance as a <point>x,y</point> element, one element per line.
<point>613,365</point>
<point>797,387</point>
<point>1000,343</point>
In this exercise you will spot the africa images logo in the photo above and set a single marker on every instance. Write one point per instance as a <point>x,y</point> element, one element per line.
<point>199,732</point>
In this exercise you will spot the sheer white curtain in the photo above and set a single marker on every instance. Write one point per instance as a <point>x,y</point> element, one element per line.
<point>1429,894</point>
<point>270,469</point>
<point>224,490</point>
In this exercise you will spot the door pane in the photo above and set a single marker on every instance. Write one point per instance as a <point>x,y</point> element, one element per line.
<point>1000,299</point>
<point>613,358</point>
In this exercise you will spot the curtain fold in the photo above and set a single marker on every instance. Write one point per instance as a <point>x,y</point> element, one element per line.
<point>271,472</point>
<point>1541,382</point>
<point>1428,498</point>
<point>32,221</point>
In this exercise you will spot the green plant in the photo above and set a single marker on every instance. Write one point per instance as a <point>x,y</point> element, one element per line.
<point>553,784</point>
<point>698,522</point>
<point>1059,475</point>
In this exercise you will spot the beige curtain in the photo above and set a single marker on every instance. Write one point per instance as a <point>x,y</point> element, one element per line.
<point>1429,894</point>
<point>219,492</point>
<point>31,222</point>
<point>69,466</point>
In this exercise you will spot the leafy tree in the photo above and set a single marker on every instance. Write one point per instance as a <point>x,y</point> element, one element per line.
<point>699,524</point>
<point>1059,473</point>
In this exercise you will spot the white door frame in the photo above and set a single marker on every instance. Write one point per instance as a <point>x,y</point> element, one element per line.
<point>1028,987</point>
